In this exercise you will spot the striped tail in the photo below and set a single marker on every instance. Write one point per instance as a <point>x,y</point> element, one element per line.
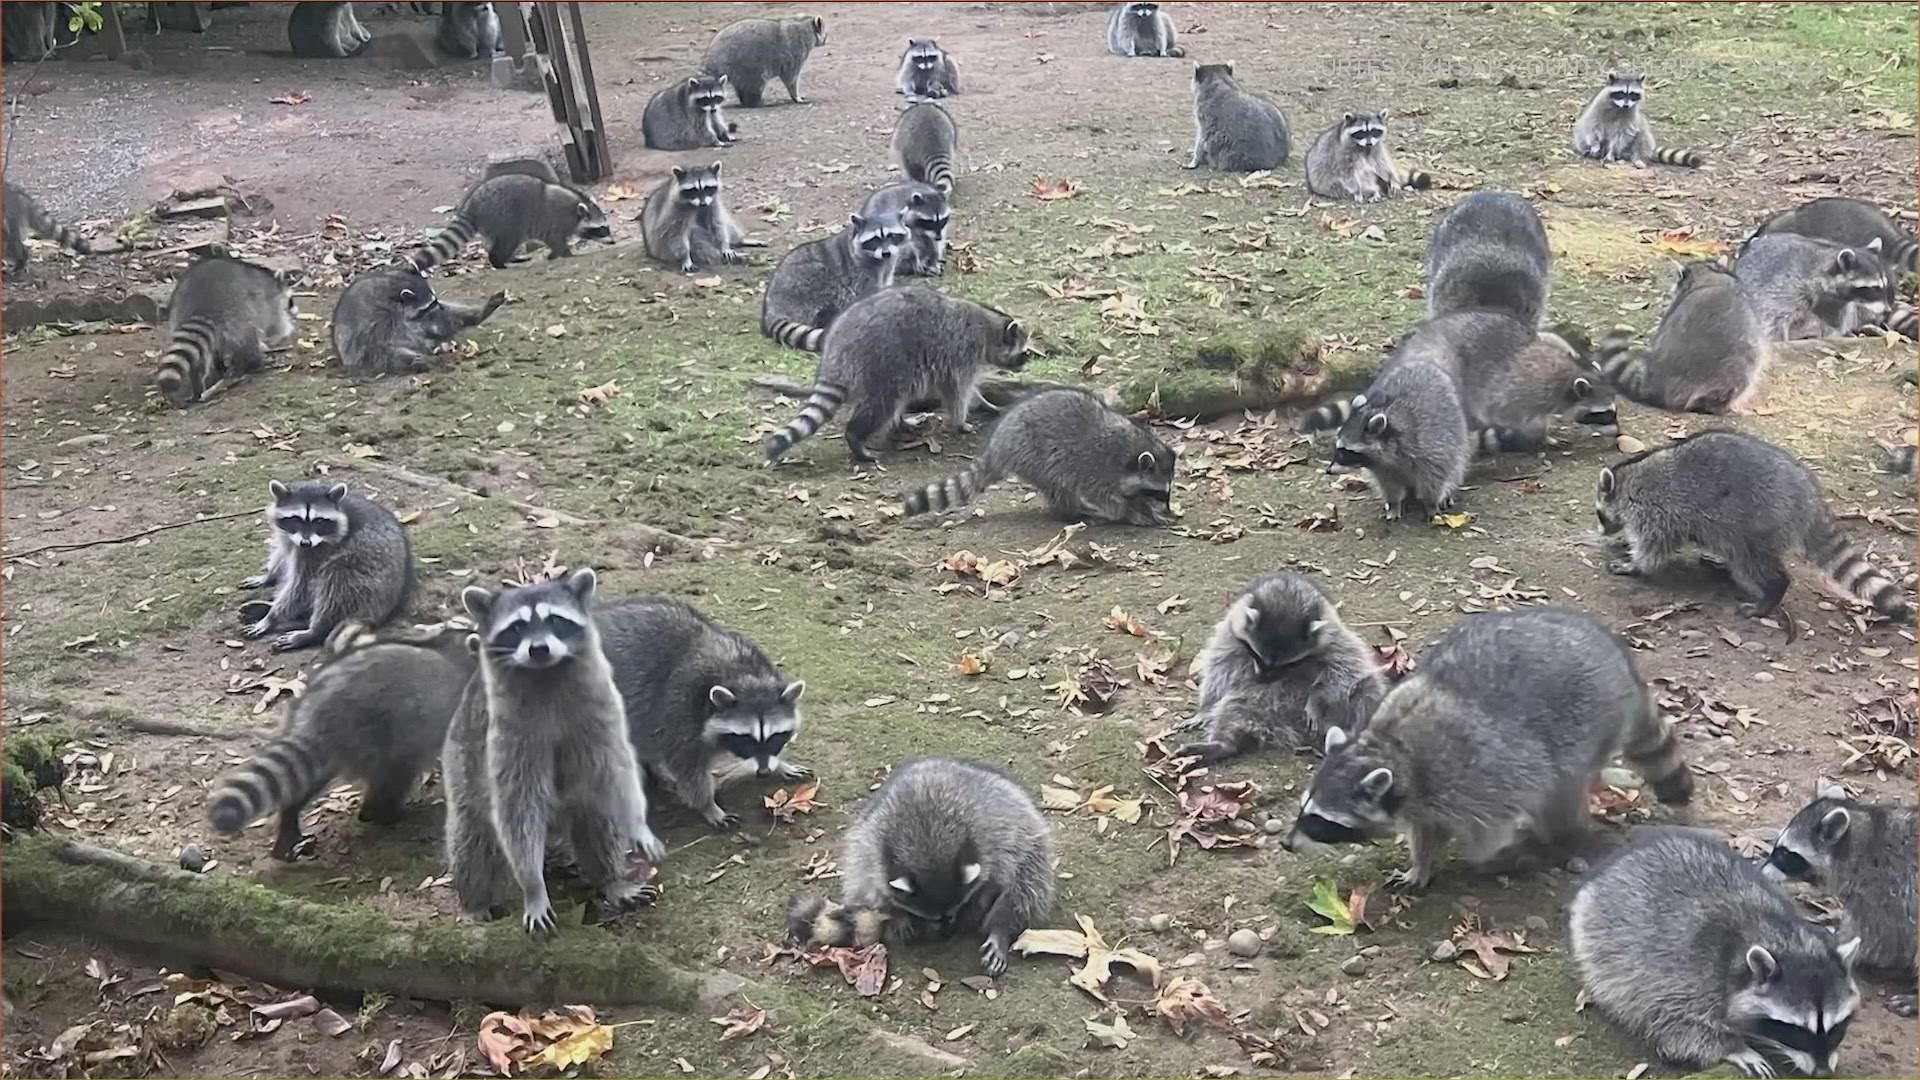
<point>445,247</point>
<point>1417,179</point>
<point>187,367</point>
<point>44,225</point>
<point>1901,460</point>
<point>819,408</point>
<point>285,771</point>
<point>348,636</point>
<point>1331,415</point>
<point>1623,365</point>
<point>1654,753</point>
<point>940,174</point>
<point>957,490</point>
<point>796,335</point>
<point>1686,159</point>
<point>1906,254</point>
<point>1830,550</point>
<point>1905,321</point>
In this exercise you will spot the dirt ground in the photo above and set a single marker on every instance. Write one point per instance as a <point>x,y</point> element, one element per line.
<point>1786,102</point>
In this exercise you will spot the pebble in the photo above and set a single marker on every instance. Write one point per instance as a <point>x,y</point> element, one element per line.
<point>1355,966</point>
<point>1535,922</point>
<point>192,858</point>
<point>1763,676</point>
<point>1159,923</point>
<point>1273,825</point>
<point>1578,865</point>
<point>1444,951</point>
<point>1244,942</point>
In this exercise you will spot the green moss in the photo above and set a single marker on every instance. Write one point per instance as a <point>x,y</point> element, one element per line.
<point>1036,1059</point>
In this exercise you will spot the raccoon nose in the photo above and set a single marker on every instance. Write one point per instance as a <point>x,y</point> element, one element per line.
<point>763,770</point>
<point>538,650</point>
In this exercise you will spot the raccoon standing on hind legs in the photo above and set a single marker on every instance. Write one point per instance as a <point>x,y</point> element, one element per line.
<point>1350,161</point>
<point>1614,128</point>
<point>1234,130</point>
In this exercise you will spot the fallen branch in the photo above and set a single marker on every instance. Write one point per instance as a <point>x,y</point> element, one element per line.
<point>133,536</point>
<point>167,727</point>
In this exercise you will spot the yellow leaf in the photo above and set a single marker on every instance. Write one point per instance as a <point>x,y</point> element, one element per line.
<point>1057,798</point>
<point>361,450</point>
<point>1682,242</point>
<point>1115,1035</point>
<point>708,282</point>
<point>1053,942</point>
<point>576,1047</point>
<point>971,664</point>
<point>1452,521</point>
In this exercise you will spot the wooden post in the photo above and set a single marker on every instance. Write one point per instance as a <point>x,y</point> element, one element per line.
<point>568,75</point>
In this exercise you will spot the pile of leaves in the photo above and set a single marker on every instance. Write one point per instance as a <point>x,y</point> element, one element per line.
<point>516,1044</point>
<point>864,969</point>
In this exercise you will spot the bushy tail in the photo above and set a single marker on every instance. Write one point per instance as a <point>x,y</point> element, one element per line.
<point>1623,365</point>
<point>187,367</point>
<point>957,490</point>
<point>43,224</point>
<point>445,247</point>
<point>819,408</point>
<point>1905,254</point>
<point>1417,179</point>
<point>1686,159</point>
<point>940,173</point>
<point>1654,753</point>
<point>1901,460</point>
<point>1331,415</point>
<point>1829,549</point>
<point>796,335</point>
<point>1905,321</point>
<point>283,772</point>
<point>347,637</point>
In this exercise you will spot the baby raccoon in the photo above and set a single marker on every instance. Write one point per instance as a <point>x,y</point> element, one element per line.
<point>1349,161</point>
<point>948,846</point>
<point>926,71</point>
<point>1234,130</point>
<point>1686,947</point>
<point>225,316</point>
<point>696,692</point>
<point>468,31</point>
<point>326,30</point>
<point>332,555</point>
<point>686,115</point>
<point>1613,128</point>
<point>1865,855</point>
<point>819,279</point>
<point>924,212</point>
<point>924,144</point>
<point>686,222</point>
<point>1848,222</point>
<point>1087,461</point>
<point>1281,668</point>
<point>1408,430</point>
<point>376,712</point>
<point>22,216</point>
<point>1493,741</point>
<point>816,922</point>
<point>1806,288</point>
<point>1489,251</point>
<point>510,210</point>
<point>1747,505</point>
<point>1708,355</point>
<point>1141,29</point>
<point>896,348</point>
<point>751,51</point>
<point>391,321</point>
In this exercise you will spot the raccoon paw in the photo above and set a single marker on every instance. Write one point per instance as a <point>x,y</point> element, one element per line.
<point>538,923</point>
<point>625,895</point>
<point>649,844</point>
<point>1750,1062</point>
<point>1408,880</point>
<point>1622,565</point>
<point>293,639</point>
<point>1903,1004</point>
<point>259,629</point>
<point>793,770</point>
<point>303,848</point>
<point>993,956</point>
<point>257,581</point>
<point>725,821</point>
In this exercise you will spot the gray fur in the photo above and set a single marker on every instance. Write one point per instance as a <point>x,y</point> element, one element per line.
<point>926,212</point>
<point>819,279</point>
<point>968,844</point>
<point>1903,460</point>
<point>815,922</point>
<point>509,210</point>
<point>1747,505</point>
<point>1087,461</point>
<point>376,713</point>
<point>1281,669</point>
<point>332,555</point>
<point>1511,380</point>
<point>1867,856</point>
<point>697,693</point>
<point>1613,127</point>
<point>1849,223</point>
<point>29,31</point>
<point>1685,946</point>
<point>926,71</point>
<point>468,31</point>
<point>23,217</point>
<point>1141,29</point>
<point>526,166</point>
<point>391,321</point>
<point>1802,287</point>
<point>1708,355</point>
<point>325,30</point>
<point>1234,130</point>
<point>1489,251</point>
<point>925,142</point>
<point>1408,430</point>
<point>686,115</point>
<point>686,223</point>
<point>899,347</point>
<point>1492,742</point>
<point>1350,161</point>
<point>224,317</point>
<point>751,51</point>
<point>540,740</point>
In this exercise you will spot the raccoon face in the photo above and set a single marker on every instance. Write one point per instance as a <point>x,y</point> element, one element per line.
<point>1364,130</point>
<point>1625,91</point>
<point>1277,639</point>
<point>1857,282</point>
<point>1807,847</point>
<point>308,514</point>
<point>1591,396</point>
<point>878,239</point>
<point>411,293</point>
<point>754,723</point>
<point>1014,343</point>
<point>535,626</point>
<point>697,185</point>
<point>1351,800</point>
<point>1362,440</point>
<point>924,55</point>
<point>590,222</point>
<point>707,92</point>
<point>1148,484</point>
<point>927,216</point>
<point>937,894</point>
<point>1796,1008</point>
<point>1143,12</point>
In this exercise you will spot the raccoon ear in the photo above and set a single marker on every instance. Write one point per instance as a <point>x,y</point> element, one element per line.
<point>1607,481</point>
<point>720,697</point>
<point>1377,783</point>
<point>1846,260</point>
<point>1848,950</point>
<point>276,489</point>
<point>1761,964</point>
<point>1013,333</point>
<point>819,24</point>
<point>1346,118</point>
<point>1612,78</point>
<point>970,873</point>
<point>1145,461</point>
<point>1336,738</point>
<point>901,885</point>
<point>1377,424</point>
<point>1582,386</point>
<point>473,644</point>
<point>1316,626</point>
<point>679,174</point>
<point>716,169</point>
<point>1359,401</point>
<point>1834,825</point>
<point>793,691</point>
<point>581,584</point>
<point>477,601</point>
<point>719,80</point>
<point>1382,114</point>
<point>856,220</point>
<point>337,492</point>
<point>1827,789</point>
<point>1874,245</point>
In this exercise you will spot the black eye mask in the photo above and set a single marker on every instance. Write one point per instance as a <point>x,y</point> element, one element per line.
<point>1790,864</point>
<point>1345,457</point>
<point>1323,830</point>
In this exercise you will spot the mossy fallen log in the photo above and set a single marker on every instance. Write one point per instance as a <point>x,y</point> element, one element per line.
<point>1268,368</point>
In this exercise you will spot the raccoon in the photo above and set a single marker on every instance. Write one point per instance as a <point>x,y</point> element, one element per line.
<point>224,317</point>
<point>540,738</point>
<point>950,846</point>
<point>1087,461</point>
<point>696,691</point>
<point>1684,945</point>
<point>1511,380</point>
<point>1613,127</point>
<point>326,30</point>
<point>1850,223</point>
<point>29,31</point>
<point>751,51</point>
<point>1349,161</point>
<point>898,347</point>
<point>525,166</point>
<point>1904,320</point>
<point>924,144</point>
<point>510,210</point>
<point>468,31</point>
<point>816,922</point>
<point>332,555</point>
<point>376,712</point>
<point>1408,430</point>
<point>1141,30</point>
<point>1806,288</point>
<point>686,222</point>
<point>1281,668</point>
<point>22,216</point>
<point>1901,460</point>
<point>1660,500</point>
<point>1708,356</point>
<point>924,211</point>
<point>1493,741</point>
<point>686,115</point>
<point>926,71</point>
<point>819,279</point>
<point>391,321</point>
<point>1489,251</point>
<point>1234,130</point>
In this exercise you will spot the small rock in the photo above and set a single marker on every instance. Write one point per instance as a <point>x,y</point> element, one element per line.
<point>1159,923</point>
<point>1244,942</point>
<point>192,858</point>
<point>1577,865</point>
<point>1627,444</point>
<point>1444,951</point>
<point>1273,825</point>
<point>1356,966</point>
<point>1536,923</point>
<point>1763,676</point>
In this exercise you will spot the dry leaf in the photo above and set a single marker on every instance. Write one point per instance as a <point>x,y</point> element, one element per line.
<point>576,1047</point>
<point>785,806</point>
<point>1056,798</point>
<point>501,1034</point>
<point>1118,619</point>
<point>1114,1036</point>
<point>1093,975</point>
<point>1053,190</point>
<point>599,395</point>
<point>740,1023</point>
<point>971,664</point>
<point>1682,242</point>
<point>1186,998</point>
<point>297,97</point>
